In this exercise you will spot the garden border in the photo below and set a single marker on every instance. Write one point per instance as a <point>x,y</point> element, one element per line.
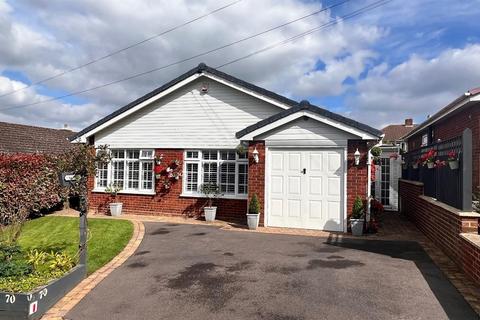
<point>60,309</point>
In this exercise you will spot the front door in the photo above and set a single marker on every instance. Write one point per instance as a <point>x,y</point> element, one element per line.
<point>305,189</point>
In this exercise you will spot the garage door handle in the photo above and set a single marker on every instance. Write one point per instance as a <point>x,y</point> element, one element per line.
<point>304,171</point>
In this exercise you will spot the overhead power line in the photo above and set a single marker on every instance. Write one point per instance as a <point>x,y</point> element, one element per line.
<point>291,39</point>
<point>57,75</point>
<point>303,34</point>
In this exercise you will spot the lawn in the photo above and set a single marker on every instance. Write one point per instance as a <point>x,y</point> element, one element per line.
<point>106,237</point>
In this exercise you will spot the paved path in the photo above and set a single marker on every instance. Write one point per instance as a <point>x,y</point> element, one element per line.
<point>203,272</point>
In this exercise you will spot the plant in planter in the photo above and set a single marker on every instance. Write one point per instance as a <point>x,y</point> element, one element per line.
<point>453,160</point>
<point>253,215</point>
<point>159,160</point>
<point>428,158</point>
<point>376,152</point>
<point>158,172</point>
<point>356,219</point>
<point>115,207</point>
<point>416,163</point>
<point>211,191</point>
<point>242,148</point>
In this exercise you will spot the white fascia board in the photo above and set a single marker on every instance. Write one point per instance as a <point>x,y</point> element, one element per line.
<point>247,91</point>
<point>475,98</point>
<point>140,106</point>
<point>361,134</point>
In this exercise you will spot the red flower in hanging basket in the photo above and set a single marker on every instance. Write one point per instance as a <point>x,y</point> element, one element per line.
<point>452,156</point>
<point>158,169</point>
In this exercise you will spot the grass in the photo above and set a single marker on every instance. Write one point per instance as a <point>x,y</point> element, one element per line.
<point>107,237</point>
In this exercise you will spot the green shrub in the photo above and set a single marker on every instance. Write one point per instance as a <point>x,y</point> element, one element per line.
<point>254,206</point>
<point>357,210</point>
<point>14,268</point>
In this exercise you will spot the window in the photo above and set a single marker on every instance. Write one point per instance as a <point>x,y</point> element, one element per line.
<point>424,140</point>
<point>225,168</point>
<point>131,170</point>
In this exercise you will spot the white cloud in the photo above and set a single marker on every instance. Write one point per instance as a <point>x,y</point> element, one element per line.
<point>46,37</point>
<point>416,87</point>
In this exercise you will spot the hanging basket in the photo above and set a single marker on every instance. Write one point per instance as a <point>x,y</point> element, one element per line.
<point>430,165</point>
<point>158,176</point>
<point>453,164</point>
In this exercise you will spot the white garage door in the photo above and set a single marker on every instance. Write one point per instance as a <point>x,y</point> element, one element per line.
<point>305,189</point>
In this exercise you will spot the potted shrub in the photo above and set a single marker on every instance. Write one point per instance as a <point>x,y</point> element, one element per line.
<point>453,160</point>
<point>253,215</point>
<point>115,207</point>
<point>211,191</point>
<point>356,219</point>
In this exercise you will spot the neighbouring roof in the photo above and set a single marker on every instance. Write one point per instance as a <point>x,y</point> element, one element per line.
<point>19,138</point>
<point>249,86</point>
<point>395,132</point>
<point>469,96</point>
<point>306,106</point>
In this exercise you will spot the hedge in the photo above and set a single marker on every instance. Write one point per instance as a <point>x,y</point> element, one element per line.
<point>28,184</point>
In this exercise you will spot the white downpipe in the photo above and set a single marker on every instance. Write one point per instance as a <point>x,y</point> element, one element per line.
<point>369,178</point>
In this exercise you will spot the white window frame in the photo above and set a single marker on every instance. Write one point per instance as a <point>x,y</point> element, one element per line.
<point>141,160</point>
<point>200,161</point>
<point>424,140</point>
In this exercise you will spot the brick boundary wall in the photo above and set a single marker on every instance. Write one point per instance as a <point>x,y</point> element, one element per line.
<point>168,202</point>
<point>444,225</point>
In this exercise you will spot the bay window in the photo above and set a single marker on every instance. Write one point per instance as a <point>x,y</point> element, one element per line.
<point>225,168</point>
<point>129,169</point>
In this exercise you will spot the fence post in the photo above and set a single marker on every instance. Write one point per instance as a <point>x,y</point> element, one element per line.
<point>467,170</point>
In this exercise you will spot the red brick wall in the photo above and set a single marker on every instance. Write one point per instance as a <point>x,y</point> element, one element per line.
<point>441,225</point>
<point>357,176</point>
<point>169,202</point>
<point>471,260</point>
<point>256,176</point>
<point>452,127</point>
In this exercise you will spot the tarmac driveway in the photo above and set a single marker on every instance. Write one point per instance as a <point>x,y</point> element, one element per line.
<point>202,272</point>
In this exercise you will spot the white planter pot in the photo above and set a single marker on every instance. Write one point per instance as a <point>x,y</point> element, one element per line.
<point>357,226</point>
<point>430,165</point>
<point>415,166</point>
<point>116,209</point>
<point>453,164</point>
<point>253,220</point>
<point>210,213</point>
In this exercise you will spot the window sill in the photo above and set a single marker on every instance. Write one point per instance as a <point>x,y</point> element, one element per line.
<point>133,192</point>
<point>228,196</point>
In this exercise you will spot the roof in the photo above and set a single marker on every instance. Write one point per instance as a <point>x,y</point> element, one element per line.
<point>306,106</point>
<point>203,68</point>
<point>452,106</point>
<point>19,138</point>
<point>395,132</point>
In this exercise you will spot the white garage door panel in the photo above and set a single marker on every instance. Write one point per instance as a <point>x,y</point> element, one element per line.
<point>310,199</point>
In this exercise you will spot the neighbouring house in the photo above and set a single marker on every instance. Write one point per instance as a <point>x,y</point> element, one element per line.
<point>389,167</point>
<point>206,126</point>
<point>19,138</point>
<point>437,197</point>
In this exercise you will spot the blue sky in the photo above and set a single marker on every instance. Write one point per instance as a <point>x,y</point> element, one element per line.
<point>404,59</point>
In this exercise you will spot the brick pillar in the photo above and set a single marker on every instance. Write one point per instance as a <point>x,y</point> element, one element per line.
<point>356,175</point>
<point>256,176</point>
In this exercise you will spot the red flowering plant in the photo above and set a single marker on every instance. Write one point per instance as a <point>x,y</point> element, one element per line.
<point>440,163</point>
<point>452,156</point>
<point>429,157</point>
<point>158,171</point>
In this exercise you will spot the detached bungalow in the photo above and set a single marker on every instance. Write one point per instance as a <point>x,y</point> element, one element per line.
<point>210,127</point>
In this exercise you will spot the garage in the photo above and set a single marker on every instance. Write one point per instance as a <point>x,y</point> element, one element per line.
<point>305,188</point>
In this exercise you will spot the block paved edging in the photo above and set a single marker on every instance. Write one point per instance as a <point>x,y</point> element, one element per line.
<point>60,309</point>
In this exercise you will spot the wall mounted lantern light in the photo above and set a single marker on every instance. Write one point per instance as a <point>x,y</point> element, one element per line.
<point>255,156</point>
<point>357,157</point>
